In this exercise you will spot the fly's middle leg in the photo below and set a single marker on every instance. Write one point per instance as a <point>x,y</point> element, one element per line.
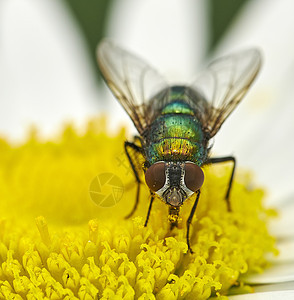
<point>134,150</point>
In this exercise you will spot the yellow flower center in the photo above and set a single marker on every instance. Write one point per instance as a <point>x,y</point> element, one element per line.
<point>63,234</point>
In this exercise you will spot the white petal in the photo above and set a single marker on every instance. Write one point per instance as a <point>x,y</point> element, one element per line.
<point>44,72</point>
<point>286,251</point>
<point>277,295</point>
<point>283,272</point>
<point>263,124</point>
<point>283,226</point>
<point>284,286</point>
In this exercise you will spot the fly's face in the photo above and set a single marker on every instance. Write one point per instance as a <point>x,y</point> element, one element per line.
<point>174,182</point>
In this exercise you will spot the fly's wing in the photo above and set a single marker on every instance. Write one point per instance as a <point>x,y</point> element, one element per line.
<point>222,86</point>
<point>132,81</point>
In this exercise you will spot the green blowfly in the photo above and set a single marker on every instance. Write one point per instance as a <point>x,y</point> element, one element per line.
<point>175,122</point>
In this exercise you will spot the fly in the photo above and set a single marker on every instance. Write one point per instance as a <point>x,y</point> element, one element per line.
<point>176,122</point>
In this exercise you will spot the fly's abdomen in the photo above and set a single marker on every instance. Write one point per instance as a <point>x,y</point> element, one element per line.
<point>176,135</point>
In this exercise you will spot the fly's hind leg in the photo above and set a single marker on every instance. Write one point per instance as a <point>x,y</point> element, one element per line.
<point>137,150</point>
<point>215,160</point>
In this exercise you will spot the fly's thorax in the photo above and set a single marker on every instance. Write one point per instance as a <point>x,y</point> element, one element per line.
<point>176,125</point>
<point>174,182</point>
<point>175,137</point>
<point>176,134</point>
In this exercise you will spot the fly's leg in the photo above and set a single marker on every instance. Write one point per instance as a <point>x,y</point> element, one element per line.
<point>149,209</point>
<point>216,160</point>
<point>190,220</point>
<point>137,150</point>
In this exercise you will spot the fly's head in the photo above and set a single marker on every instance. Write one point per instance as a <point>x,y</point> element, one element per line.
<point>174,182</point>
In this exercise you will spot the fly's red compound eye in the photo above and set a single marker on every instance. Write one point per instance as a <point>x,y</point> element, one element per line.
<point>194,176</point>
<point>155,176</point>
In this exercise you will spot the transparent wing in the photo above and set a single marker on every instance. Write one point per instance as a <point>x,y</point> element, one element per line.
<point>132,81</point>
<point>222,86</point>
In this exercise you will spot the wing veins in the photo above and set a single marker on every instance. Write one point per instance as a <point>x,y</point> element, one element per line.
<point>218,92</point>
<point>224,85</point>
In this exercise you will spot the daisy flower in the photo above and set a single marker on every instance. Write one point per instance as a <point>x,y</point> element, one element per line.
<point>65,189</point>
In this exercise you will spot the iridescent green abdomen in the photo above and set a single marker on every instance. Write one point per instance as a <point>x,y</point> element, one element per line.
<point>176,135</point>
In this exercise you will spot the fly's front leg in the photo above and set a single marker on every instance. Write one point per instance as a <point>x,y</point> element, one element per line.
<point>190,220</point>
<point>137,151</point>
<point>216,160</point>
<point>149,209</point>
